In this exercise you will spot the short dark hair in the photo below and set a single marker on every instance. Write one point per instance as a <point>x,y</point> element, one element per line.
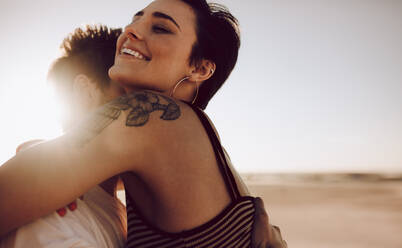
<point>218,40</point>
<point>90,51</point>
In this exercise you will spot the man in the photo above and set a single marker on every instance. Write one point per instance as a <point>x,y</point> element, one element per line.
<point>82,83</point>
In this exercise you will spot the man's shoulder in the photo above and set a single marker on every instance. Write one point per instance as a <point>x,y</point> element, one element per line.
<point>54,229</point>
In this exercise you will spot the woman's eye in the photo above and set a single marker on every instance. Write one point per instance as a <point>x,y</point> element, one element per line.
<point>159,29</point>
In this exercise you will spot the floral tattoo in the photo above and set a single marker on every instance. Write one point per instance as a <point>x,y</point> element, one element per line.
<point>140,104</point>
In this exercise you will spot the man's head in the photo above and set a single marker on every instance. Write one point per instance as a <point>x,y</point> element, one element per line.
<point>80,75</point>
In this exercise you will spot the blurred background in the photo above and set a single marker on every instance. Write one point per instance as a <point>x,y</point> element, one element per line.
<point>311,115</point>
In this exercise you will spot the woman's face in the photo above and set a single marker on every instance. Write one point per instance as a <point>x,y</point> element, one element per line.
<point>154,49</point>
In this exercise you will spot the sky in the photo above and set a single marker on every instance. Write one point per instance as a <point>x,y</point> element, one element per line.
<point>317,87</point>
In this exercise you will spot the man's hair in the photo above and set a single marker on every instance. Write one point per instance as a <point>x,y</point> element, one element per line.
<point>89,51</point>
<point>218,40</point>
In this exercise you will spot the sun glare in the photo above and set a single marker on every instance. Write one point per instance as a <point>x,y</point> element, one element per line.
<point>32,112</point>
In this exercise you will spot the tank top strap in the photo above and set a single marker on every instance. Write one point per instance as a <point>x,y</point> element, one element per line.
<point>224,168</point>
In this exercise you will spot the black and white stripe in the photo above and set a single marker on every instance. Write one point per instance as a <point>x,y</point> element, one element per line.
<point>233,228</point>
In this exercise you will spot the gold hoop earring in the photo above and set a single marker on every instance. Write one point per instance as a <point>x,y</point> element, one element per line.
<point>196,92</point>
<point>181,81</point>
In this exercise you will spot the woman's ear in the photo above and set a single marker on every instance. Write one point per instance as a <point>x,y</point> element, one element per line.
<point>203,71</point>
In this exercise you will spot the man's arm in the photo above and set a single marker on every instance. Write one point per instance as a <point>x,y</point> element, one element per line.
<point>52,174</point>
<point>265,235</point>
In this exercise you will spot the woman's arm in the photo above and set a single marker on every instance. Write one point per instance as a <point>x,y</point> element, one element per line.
<point>52,174</point>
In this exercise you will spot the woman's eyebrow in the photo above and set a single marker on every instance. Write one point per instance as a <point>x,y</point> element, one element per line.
<point>139,13</point>
<point>158,14</point>
<point>165,16</point>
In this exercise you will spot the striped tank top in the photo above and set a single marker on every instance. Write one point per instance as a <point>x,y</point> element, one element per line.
<point>230,228</point>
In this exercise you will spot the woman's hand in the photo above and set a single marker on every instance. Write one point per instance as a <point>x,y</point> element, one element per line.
<point>265,235</point>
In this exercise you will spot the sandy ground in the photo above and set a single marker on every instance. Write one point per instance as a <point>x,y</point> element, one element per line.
<point>341,214</point>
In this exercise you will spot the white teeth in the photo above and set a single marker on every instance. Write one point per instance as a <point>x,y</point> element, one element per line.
<point>133,53</point>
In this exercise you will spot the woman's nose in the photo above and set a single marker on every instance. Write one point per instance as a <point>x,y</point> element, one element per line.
<point>132,31</point>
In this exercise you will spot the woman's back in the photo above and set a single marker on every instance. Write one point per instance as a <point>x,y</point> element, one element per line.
<point>194,202</point>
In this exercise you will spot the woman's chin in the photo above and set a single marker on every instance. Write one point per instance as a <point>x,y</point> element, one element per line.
<point>121,76</point>
<point>116,73</point>
<point>125,78</point>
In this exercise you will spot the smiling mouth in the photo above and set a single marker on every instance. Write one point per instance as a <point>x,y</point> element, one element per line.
<point>135,54</point>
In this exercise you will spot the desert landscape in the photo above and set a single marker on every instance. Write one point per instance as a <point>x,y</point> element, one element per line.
<point>333,210</point>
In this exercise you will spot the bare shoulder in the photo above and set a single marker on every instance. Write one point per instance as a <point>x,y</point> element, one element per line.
<point>149,113</point>
<point>141,110</point>
<point>139,124</point>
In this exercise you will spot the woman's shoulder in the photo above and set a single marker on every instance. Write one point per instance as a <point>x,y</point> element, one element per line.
<point>146,122</point>
<point>147,108</point>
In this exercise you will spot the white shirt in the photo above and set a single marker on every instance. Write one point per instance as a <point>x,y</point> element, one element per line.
<point>98,221</point>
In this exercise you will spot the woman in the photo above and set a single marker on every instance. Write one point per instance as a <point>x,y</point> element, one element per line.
<point>180,190</point>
